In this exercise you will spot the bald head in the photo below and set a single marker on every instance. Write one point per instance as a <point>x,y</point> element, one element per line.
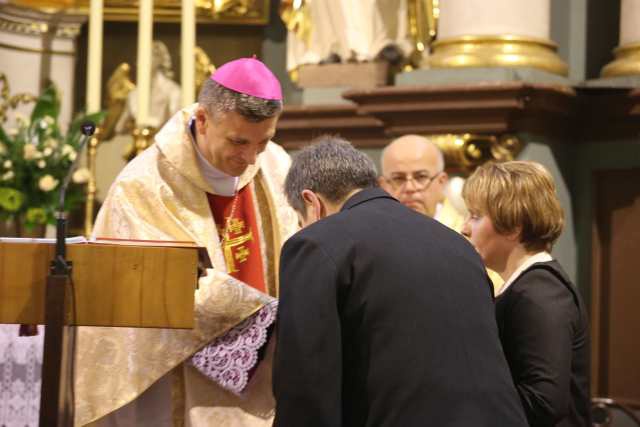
<point>415,157</point>
<point>411,148</point>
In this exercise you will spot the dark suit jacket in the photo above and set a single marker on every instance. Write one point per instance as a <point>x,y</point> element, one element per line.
<point>544,331</point>
<point>386,318</point>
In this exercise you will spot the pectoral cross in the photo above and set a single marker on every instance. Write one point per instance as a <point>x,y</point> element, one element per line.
<point>242,253</point>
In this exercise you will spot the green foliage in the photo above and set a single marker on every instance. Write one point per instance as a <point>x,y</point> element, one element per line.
<point>34,159</point>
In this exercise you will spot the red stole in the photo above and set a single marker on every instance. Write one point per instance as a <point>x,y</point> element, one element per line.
<point>241,246</point>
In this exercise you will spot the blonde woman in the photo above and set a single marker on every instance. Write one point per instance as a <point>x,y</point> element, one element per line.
<point>515,217</point>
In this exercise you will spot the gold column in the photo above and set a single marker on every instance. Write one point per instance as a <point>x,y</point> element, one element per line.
<point>422,20</point>
<point>89,206</point>
<point>497,51</point>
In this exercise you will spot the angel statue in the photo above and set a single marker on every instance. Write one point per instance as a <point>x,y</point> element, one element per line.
<point>165,93</point>
<point>122,97</point>
<point>119,86</point>
<point>204,67</point>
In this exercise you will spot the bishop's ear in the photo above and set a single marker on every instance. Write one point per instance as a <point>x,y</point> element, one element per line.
<point>202,119</point>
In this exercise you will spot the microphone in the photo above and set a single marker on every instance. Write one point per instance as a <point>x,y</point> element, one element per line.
<point>88,129</point>
<point>60,264</point>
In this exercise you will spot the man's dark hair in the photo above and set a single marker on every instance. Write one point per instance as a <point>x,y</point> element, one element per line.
<point>219,99</point>
<point>331,167</point>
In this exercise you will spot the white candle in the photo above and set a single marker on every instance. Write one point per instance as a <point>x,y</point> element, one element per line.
<point>188,42</point>
<point>94,58</point>
<point>145,40</point>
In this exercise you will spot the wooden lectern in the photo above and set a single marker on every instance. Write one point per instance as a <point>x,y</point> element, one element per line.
<point>126,285</point>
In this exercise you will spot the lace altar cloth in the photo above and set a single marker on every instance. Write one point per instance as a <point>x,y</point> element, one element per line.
<point>20,369</point>
<point>230,359</point>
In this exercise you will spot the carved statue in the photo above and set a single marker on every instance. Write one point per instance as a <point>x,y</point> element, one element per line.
<point>325,31</point>
<point>120,89</point>
<point>229,8</point>
<point>297,19</point>
<point>204,67</point>
<point>119,86</point>
<point>165,94</point>
<point>234,7</point>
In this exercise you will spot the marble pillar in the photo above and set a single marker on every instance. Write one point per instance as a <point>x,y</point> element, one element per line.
<point>627,54</point>
<point>495,33</point>
<point>37,47</point>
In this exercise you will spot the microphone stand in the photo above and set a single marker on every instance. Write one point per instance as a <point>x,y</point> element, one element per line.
<point>56,403</point>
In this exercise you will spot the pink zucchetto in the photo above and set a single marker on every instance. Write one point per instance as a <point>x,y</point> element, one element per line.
<point>249,76</point>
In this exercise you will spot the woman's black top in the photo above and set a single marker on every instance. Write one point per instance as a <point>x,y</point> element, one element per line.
<point>545,335</point>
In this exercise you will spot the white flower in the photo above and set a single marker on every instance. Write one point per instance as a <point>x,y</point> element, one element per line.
<point>81,176</point>
<point>51,142</point>
<point>41,164</point>
<point>68,151</point>
<point>30,152</point>
<point>47,151</point>
<point>46,121</point>
<point>7,164</point>
<point>12,131</point>
<point>47,183</point>
<point>8,175</point>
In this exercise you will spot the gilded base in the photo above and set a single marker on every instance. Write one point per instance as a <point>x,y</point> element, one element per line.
<point>142,139</point>
<point>627,62</point>
<point>464,153</point>
<point>496,51</point>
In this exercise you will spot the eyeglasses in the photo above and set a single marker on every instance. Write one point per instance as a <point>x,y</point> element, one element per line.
<point>421,179</point>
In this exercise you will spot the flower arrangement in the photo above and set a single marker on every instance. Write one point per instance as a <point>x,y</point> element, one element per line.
<point>35,157</point>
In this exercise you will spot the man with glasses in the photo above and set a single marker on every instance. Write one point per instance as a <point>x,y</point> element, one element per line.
<point>413,172</point>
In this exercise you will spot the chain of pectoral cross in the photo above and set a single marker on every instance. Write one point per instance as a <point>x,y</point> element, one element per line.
<point>224,238</point>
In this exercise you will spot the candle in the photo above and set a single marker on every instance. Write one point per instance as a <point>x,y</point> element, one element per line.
<point>94,58</point>
<point>145,40</point>
<point>188,42</point>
